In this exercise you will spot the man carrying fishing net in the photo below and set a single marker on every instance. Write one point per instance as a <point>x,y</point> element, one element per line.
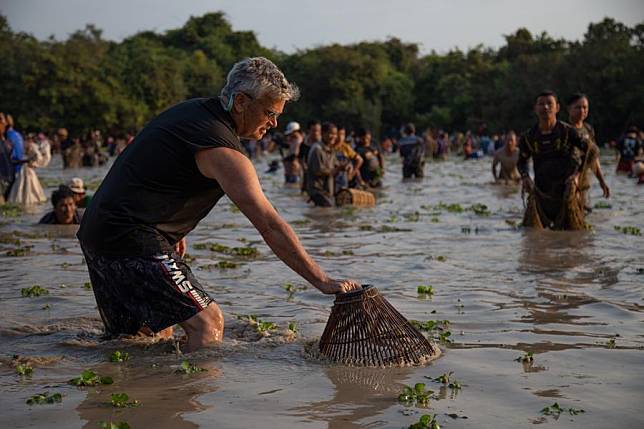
<point>162,185</point>
<point>554,198</point>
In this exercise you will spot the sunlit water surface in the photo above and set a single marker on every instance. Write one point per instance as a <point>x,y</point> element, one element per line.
<point>505,291</point>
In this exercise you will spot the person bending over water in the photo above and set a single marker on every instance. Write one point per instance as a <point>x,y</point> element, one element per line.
<point>163,184</point>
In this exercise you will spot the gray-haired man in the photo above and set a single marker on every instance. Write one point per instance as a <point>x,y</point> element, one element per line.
<point>139,216</point>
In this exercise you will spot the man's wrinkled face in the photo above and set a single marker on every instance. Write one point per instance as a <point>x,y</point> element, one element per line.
<point>578,111</point>
<point>258,115</point>
<point>546,107</point>
<point>64,210</point>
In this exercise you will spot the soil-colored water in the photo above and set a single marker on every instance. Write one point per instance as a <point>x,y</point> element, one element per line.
<point>574,299</point>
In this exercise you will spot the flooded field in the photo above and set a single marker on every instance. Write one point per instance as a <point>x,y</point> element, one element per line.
<point>575,300</point>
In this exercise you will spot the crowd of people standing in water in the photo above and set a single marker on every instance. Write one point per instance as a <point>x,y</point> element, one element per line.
<point>325,158</point>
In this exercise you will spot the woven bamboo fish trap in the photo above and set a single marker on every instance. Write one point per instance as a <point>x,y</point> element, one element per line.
<point>355,197</point>
<point>366,330</point>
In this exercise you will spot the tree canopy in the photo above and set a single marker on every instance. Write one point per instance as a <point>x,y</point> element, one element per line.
<point>87,82</point>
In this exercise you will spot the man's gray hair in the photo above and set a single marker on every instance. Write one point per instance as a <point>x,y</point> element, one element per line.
<point>257,77</point>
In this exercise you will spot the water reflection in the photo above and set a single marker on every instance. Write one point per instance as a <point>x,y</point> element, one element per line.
<point>164,396</point>
<point>359,393</point>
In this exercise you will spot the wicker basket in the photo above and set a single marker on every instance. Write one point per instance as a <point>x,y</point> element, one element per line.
<point>364,329</point>
<point>355,197</point>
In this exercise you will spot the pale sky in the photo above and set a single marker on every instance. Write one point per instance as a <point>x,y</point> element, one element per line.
<point>289,25</point>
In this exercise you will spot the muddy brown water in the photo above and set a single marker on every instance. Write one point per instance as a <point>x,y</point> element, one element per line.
<point>505,291</point>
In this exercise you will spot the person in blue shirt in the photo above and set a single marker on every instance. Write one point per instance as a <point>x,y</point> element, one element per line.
<point>17,145</point>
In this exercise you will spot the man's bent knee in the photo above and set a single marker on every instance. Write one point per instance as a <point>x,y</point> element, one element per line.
<point>204,328</point>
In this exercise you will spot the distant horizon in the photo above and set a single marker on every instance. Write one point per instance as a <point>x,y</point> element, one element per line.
<point>305,24</point>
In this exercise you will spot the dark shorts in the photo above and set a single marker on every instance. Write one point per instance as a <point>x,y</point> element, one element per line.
<point>133,292</point>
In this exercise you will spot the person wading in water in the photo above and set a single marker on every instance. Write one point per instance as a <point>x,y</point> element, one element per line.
<point>577,113</point>
<point>554,201</point>
<point>162,185</point>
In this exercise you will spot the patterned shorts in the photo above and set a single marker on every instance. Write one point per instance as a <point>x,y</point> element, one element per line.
<point>133,292</point>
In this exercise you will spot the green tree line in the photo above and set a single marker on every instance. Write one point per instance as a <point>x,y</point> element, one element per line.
<point>87,82</point>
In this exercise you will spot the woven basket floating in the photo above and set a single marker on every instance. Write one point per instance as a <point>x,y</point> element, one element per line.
<point>366,330</point>
<point>355,197</point>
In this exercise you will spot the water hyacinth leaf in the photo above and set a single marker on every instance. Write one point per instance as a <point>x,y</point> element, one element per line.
<point>45,398</point>
<point>24,370</point>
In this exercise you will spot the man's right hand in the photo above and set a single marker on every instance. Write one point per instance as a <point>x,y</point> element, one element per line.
<point>332,286</point>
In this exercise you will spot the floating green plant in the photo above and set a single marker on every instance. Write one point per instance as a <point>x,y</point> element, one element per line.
<point>90,378</point>
<point>527,357</point>
<point>19,251</point>
<point>447,380</point>
<point>426,421</point>
<point>602,205</point>
<point>555,410</point>
<point>425,290</point>
<point>10,210</point>
<point>441,258</point>
<point>292,326</point>
<point>611,344</point>
<point>225,265</point>
<point>265,327</point>
<point>122,400</point>
<point>452,208</point>
<point>113,425</point>
<point>347,252</point>
<point>301,222</point>
<point>188,368</point>
<point>412,217</point>
<point>366,228</point>
<point>630,230</point>
<point>387,228</point>
<point>24,370</point>
<point>45,398</point>
<point>119,356</point>
<point>480,209</point>
<point>434,220</point>
<point>87,285</point>
<point>33,291</point>
<point>417,395</point>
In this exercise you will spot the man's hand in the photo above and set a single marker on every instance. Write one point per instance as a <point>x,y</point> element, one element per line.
<point>331,286</point>
<point>527,183</point>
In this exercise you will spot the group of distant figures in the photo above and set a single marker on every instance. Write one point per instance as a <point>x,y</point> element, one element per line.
<point>327,158</point>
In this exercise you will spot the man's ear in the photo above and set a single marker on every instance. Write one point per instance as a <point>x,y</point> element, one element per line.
<point>239,103</point>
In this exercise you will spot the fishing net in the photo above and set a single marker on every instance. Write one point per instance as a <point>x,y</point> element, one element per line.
<point>366,330</point>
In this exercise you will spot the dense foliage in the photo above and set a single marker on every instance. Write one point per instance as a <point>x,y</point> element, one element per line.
<point>87,82</point>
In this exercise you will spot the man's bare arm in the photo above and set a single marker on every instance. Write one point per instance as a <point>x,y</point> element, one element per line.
<point>237,177</point>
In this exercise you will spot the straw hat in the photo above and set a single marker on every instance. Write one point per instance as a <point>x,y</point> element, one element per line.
<point>76,185</point>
